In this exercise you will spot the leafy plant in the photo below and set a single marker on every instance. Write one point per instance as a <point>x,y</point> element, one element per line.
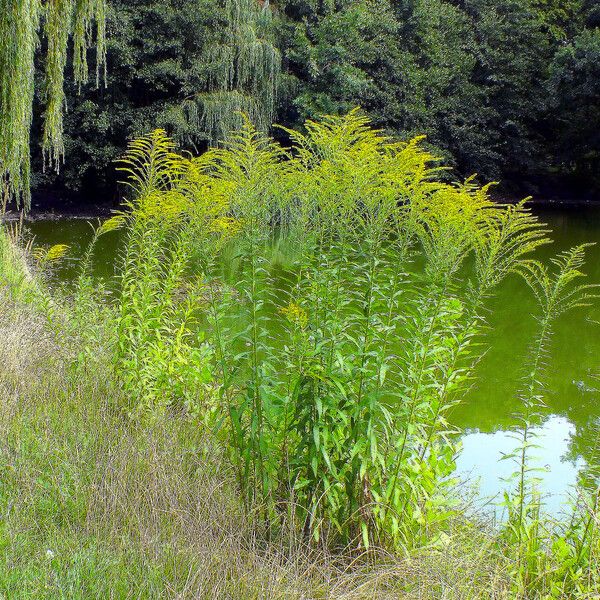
<point>557,292</point>
<point>321,308</point>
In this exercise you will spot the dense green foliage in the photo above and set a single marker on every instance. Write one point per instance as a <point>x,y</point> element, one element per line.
<point>507,89</point>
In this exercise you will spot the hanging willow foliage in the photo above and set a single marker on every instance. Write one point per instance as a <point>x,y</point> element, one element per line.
<point>20,24</point>
<point>242,74</point>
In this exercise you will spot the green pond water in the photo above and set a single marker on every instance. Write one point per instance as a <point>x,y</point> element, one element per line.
<point>571,418</point>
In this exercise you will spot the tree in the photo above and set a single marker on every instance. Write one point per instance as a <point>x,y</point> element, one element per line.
<point>408,63</point>
<point>473,75</point>
<point>574,112</point>
<point>167,67</point>
<point>153,53</point>
<point>20,23</point>
<point>242,68</point>
<point>512,67</point>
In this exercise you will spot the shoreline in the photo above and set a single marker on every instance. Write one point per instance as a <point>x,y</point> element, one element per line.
<point>56,212</point>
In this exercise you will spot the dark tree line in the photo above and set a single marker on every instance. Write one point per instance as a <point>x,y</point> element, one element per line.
<point>509,89</point>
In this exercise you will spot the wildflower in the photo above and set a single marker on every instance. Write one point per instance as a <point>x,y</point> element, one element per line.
<point>49,554</point>
<point>226,226</point>
<point>295,314</point>
<point>53,254</point>
<point>112,224</point>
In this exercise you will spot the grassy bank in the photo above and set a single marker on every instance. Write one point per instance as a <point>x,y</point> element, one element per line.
<point>259,410</point>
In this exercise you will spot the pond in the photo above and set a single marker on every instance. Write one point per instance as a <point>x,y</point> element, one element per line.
<point>569,428</point>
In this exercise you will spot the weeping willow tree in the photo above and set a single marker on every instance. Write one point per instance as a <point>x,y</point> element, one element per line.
<point>242,72</point>
<point>25,27</point>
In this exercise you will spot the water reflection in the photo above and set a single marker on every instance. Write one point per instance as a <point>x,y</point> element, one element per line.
<point>481,462</point>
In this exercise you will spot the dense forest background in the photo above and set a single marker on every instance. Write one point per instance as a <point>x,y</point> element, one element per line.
<point>507,89</point>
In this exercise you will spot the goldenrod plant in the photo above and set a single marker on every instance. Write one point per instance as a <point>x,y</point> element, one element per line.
<point>557,291</point>
<point>330,374</point>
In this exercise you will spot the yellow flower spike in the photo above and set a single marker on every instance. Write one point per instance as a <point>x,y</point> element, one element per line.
<point>53,254</point>
<point>112,224</point>
<point>226,226</point>
<point>295,314</point>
